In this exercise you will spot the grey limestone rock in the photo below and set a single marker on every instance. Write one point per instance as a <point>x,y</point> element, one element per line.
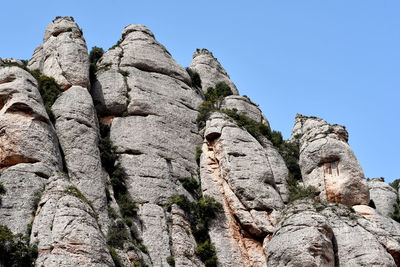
<point>66,230</point>
<point>234,169</point>
<point>141,50</point>
<point>383,196</point>
<point>152,112</point>
<point>323,234</point>
<point>63,54</point>
<point>328,163</point>
<point>210,70</point>
<point>183,243</point>
<point>109,92</point>
<point>78,133</point>
<point>29,151</point>
<point>303,239</point>
<point>245,106</point>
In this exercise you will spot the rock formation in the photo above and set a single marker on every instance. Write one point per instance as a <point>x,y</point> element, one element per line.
<point>382,195</point>
<point>328,163</point>
<point>115,172</point>
<point>63,54</point>
<point>210,70</point>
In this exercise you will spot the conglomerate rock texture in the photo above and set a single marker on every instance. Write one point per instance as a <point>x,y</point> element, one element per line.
<point>328,163</point>
<point>59,190</point>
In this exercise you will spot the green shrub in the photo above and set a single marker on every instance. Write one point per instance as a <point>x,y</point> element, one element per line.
<point>199,214</point>
<point>95,54</point>
<point>171,261</point>
<point>112,213</point>
<point>116,259</point>
<point>206,252</point>
<point>117,234</point>
<point>15,250</point>
<point>199,151</point>
<point>191,185</point>
<point>182,201</point>
<point>2,189</point>
<point>49,90</point>
<point>73,191</point>
<point>256,129</point>
<point>195,77</point>
<point>37,195</point>
<point>395,184</point>
<point>127,207</point>
<point>297,192</point>
<point>218,93</point>
<point>213,99</point>
<point>124,72</point>
<point>208,207</point>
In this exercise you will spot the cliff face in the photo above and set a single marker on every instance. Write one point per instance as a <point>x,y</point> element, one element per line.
<point>112,170</point>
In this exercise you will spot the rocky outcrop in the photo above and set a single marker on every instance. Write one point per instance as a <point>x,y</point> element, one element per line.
<point>143,52</point>
<point>28,146</point>
<point>234,169</point>
<point>152,112</point>
<point>210,70</point>
<point>332,235</point>
<point>245,106</point>
<point>304,239</point>
<point>77,130</point>
<point>183,243</point>
<point>383,195</point>
<point>63,54</point>
<point>66,229</point>
<point>328,163</point>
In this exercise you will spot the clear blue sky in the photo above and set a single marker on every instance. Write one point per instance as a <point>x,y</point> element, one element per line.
<point>335,59</point>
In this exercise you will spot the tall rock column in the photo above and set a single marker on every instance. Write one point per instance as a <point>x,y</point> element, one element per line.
<point>236,172</point>
<point>29,151</point>
<point>63,54</point>
<point>146,98</point>
<point>328,163</point>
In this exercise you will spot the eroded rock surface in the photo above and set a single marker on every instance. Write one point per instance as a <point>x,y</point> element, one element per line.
<point>29,151</point>
<point>303,239</point>
<point>236,172</point>
<point>328,163</point>
<point>66,230</point>
<point>77,130</point>
<point>153,128</point>
<point>333,235</point>
<point>210,70</point>
<point>63,54</point>
<point>383,195</point>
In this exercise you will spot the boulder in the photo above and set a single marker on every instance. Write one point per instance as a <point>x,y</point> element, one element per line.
<point>304,238</point>
<point>328,163</point>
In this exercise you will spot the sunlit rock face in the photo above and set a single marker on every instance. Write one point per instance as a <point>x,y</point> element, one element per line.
<point>328,163</point>
<point>210,70</point>
<point>382,195</point>
<point>138,116</point>
<point>29,151</point>
<point>235,171</point>
<point>63,54</point>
